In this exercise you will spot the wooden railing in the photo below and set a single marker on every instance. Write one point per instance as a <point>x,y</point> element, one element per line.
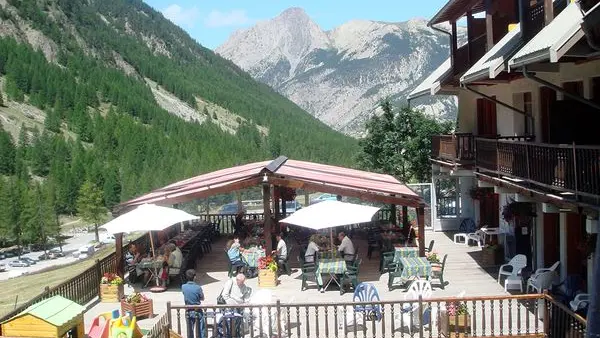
<point>160,328</point>
<point>453,147</point>
<point>569,168</point>
<point>81,288</point>
<point>533,315</point>
<point>467,55</point>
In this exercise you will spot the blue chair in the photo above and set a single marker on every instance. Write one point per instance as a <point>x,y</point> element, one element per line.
<point>366,292</point>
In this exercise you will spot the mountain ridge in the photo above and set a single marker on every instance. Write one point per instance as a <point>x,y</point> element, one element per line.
<point>340,75</point>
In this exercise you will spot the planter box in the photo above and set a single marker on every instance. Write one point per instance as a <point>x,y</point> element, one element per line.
<point>491,257</point>
<point>267,278</point>
<point>143,309</point>
<point>111,293</point>
<point>455,326</point>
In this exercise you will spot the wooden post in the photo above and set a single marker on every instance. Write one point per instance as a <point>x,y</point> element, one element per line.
<point>267,213</point>
<point>470,36</point>
<point>306,198</point>
<point>238,197</point>
<point>489,24</point>
<point>453,43</point>
<point>405,217</point>
<point>393,218</point>
<point>276,204</point>
<point>119,254</point>
<point>548,11</point>
<point>421,225</point>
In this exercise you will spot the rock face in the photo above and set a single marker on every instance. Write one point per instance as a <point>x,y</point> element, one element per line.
<point>341,75</point>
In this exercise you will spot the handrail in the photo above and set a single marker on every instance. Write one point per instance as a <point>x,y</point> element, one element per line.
<point>547,145</point>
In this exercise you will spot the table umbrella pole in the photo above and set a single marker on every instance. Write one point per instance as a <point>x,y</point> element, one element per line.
<point>151,244</point>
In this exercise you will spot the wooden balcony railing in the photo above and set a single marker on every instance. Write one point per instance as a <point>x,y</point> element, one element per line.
<point>467,55</point>
<point>567,168</point>
<point>532,315</point>
<point>453,147</point>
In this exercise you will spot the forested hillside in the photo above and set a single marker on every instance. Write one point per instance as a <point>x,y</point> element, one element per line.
<point>88,72</point>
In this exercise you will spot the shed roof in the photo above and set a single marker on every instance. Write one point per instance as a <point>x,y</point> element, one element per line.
<point>56,311</point>
<point>282,171</point>
<point>455,9</point>
<point>494,61</point>
<point>432,84</point>
<point>553,41</point>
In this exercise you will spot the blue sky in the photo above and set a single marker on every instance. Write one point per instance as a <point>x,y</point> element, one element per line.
<point>211,22</point>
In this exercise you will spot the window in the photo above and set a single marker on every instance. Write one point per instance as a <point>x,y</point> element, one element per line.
<point>446,190</point>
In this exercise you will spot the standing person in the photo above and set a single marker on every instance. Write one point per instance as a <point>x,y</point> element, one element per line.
<point>281,251</point>
<point>193,295</point>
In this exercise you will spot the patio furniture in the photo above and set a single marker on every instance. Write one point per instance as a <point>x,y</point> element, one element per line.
<point>308,272</point>
<point>517,263</point>
<point>285,266</point>
<point>542,270</point>
<point>387,262</point>
<point>373,244</point>
<point>437,271</point>
<point>411,314</point>
<point>489,232</point>
<point>366,292</point>
<point>513,281</point>
<point>231,265</point>
<point>409,268</point>
<point>466,226</point>
<point>541,281</point>
<point>581,301</point>
<point>351,276</point>
<point>430,247</point>
<point>566,290</point>
<point>333,267</point>
<point>405,251</point>
<point>476,236</point>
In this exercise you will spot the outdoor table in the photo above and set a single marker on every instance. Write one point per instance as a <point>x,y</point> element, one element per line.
<point>333,267</point>
<point>405,252</point>
<point>153,266</point>
<point>415,267</point>
<point>489,232</point>
<point>251,256</point>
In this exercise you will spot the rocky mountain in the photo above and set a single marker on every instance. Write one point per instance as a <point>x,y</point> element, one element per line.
<point>341,75</point>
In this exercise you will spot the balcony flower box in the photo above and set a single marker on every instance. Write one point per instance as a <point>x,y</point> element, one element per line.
<point>138,305</point>
<point>111,288</point>
<point>267,271</point>
<point>459,323</point>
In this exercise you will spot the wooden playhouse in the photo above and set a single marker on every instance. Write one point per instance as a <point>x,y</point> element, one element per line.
<point>52,317</point>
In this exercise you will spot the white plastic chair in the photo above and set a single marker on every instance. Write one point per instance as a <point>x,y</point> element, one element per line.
<point>542,270</point>
<point>580,301</point>
<point>517,263</point>
<point>409,317</point>
<point>542,281</point>
<point>476,236</point>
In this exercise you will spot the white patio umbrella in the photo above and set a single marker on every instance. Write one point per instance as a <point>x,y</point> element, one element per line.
<point>147,217</point>
<point>329,214</point>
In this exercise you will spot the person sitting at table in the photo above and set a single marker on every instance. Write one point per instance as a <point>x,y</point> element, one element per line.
<point>311,251</point>
<point>167,260</point>
<point>175,267</point>
<point>133,258</point>
<point>346,247</point>
<point>233,252</point>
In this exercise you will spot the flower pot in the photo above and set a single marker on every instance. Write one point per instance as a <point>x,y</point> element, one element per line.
<point>267,278</point>
<point>111,293</point>
<point>459,323</point>
<point>143,309</point>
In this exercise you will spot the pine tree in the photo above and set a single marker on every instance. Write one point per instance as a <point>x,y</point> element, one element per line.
<point>1,99</point>
<point>53,120</point>
<point>7,153</point>
<point>90,205</point>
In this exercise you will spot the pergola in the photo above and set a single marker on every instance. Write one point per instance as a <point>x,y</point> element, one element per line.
<point>284,172</point>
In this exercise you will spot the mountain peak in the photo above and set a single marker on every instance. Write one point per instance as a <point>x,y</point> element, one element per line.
<point>293,12</point>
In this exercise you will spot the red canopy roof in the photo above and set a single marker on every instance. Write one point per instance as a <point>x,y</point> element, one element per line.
<point>285,172</point>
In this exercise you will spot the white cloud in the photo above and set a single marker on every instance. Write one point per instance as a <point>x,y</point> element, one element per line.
<point>181,16</point>
<point>236,17</point>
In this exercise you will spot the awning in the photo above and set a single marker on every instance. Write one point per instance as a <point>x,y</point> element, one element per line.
<point>553,41</point>
<point>432,84</point>
<point>494,61</point>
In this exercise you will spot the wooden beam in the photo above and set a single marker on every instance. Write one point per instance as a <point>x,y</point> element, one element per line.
<point>267,213</point>
<point>364,195</point>
<point>489,24</point>
<point>421,225</point>
<point>548,11</point>
<point>393,217</point>
<point>119,254</point>
<point>470,36</point>
<point>453,43</point>
<point>405,222</point>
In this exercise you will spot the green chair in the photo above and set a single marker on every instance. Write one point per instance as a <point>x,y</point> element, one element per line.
<point>395,271</point>
<point>430,247</point>
<point>351,276</point>
<point>308,272</point>
<point>284,263</point>
<point>387,261</point>
<point>437,271</point>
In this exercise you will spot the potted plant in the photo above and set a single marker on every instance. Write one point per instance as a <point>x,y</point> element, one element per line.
<point>111,288</point>
<point>459,319</point>
<point>477,193</point>
<point>138,304</point>
<point>267,271</point>
<point>432,257</point>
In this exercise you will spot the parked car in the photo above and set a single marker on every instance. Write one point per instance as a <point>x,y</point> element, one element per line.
<point>324,197</point>
<point>57,253</point>
<point>18,264</point>
<point>48,255</point>
<point>291,206</point>
<point>28,260</point>
<point>2,267</point>
<point>230,209</point>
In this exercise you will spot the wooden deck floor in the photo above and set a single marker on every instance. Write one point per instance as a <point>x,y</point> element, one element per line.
<point>463,274</point>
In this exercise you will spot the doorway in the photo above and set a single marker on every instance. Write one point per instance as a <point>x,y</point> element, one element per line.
<point>486,118</point>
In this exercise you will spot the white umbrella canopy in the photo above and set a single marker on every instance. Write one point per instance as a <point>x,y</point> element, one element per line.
<point>329,214</point>
<point>147,217</point>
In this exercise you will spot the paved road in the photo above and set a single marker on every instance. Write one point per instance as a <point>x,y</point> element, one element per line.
<point>72,245</point>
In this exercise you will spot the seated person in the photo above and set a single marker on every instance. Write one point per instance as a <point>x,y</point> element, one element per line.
<point>233,252</point>
<point>168,260</point>
<point>281,249</point>
<point>346,247</point>
<point>134,256</point>
<point>175,268</point>
<point>311,251</point>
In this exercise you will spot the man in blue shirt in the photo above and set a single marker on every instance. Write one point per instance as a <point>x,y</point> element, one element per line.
<point>193,295</point>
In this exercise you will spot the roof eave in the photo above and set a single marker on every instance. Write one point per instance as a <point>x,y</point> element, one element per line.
<point>531,58</point>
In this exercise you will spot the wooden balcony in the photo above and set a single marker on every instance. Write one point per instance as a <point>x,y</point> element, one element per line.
<point>455,148</point>
<point>467,55</point>
<point>564,168</point>
<point>531,315</point>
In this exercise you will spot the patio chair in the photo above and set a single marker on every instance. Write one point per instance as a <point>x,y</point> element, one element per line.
<point>351,276</point>
<point>581,301</point>
<point>566,290</point>
<point>387,262</point>
<point>364,292</point>
<point>476,236</point>
<point>308,272</point>
<point>542,281</point>
<point>466,226</point>
<point>410,316</point>
<point>231,266</point>
<point>552,268</point>
<point>372,244</point>
<point>395,273</point>
<point>284,263</point>
<point>430,247</point>
<point>437,271</point>
<point>516,264</point>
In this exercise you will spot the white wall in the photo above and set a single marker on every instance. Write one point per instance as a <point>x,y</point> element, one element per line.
<point>510,123</point>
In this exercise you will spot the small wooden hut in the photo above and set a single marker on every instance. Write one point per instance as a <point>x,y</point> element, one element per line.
<point>52,317</point>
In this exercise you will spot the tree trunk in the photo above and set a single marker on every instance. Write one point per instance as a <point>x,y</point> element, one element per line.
<point>96,232</point>
<point>593,314</point>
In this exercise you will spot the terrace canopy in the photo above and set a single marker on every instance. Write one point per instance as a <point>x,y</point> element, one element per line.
<point>288,173</point>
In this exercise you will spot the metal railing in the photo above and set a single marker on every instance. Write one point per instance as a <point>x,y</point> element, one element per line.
<point>569,168</point>
<point>533,315</point>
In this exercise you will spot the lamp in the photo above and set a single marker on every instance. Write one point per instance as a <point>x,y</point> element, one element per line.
<point>265,178</point>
